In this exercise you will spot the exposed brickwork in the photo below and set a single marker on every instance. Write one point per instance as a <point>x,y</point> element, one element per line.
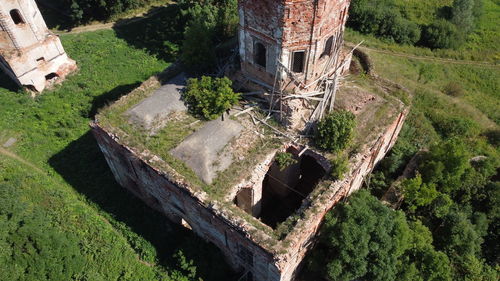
<point>285,27</point>
<point>29,53</point>
<point>217,222</point>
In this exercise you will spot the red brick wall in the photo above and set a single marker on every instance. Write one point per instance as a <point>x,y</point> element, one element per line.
<point>175,202</point>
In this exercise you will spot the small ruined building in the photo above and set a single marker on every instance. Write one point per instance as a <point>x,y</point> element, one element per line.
<point>221,178</point>
<point>29,53</point>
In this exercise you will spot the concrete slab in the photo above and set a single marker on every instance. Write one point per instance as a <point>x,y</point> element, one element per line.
<point>203,151</point>
<point>152,112</point>
<point>10,142</point>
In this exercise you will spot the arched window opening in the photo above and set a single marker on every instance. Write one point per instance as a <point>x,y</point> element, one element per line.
<point>16,16</point>
<point>260,54</point>
<point>328,47</point>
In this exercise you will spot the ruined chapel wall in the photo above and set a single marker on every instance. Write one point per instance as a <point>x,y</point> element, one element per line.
<point>307,27</point>
<point>175,202</point>
<point>260,22</point>
<point>301,239</point>
<point>26,34</point>
<point>31,54</point>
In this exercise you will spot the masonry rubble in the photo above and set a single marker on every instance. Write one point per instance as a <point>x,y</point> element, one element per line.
<point>290,48</point>
<point>30,54</point>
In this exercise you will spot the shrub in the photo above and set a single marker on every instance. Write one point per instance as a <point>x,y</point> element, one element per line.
<point>453,89</point>
<point>455,126</point>
<point>284,159</point>
<point>335,131</point>
<point>440,34</point>
<point>340,166</point>
<point>209,97</point>
<point>398,29</point>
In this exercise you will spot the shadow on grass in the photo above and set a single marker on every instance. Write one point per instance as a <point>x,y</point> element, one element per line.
<point>110,97</point>
<point>7,83</point>
<point>159,31</point>
<point>83,166</point>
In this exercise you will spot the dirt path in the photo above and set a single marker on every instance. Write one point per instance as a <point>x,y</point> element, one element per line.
<point>14,156</point>
<point>110,25</point>
<point>435,59</point>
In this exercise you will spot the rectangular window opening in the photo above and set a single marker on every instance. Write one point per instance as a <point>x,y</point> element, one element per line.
<point>298,61</point>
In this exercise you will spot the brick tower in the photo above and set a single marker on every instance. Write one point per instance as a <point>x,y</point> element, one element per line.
<point>292,46</point>
<point>29,53</point>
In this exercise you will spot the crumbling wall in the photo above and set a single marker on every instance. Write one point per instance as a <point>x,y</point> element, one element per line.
<point>153,187</point>
<point>260,22</point>
<point>31,54</point>
<point>307,27</point>
<point>301,239</point>
<point>278,263</point>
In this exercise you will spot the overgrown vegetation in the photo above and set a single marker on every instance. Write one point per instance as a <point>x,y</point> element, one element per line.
<point>209,97</point>
<point>284,159</point>
<point>340,166</point>
<point>62,215</point>
<point>363,239</point>
<point>434,24</point>
<point>335,131</point>
<point>455,186</point>
<point>209,23</point>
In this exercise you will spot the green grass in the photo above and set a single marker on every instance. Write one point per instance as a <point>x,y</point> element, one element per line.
<point>421,11</point>
<point>71,219</point>
<point>482,45</point>
<point>481,98</point>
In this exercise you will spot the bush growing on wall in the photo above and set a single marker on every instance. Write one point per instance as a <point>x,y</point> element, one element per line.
<point>284,159</point>
<point>335,131</point>
<point>209,97</point>
<point>340,166</point>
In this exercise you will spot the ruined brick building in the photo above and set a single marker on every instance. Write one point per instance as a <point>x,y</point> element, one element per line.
<point>293,46</point>
<point>220,178</point>
<point>29,53</point>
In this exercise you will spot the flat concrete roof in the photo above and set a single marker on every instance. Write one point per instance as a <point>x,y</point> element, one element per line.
<point>153,110</point>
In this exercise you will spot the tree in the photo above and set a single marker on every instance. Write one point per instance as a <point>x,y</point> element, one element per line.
<point>361,239</point>
<point>209,97</point>
<point>418,194</point>
<point>441,34</point>
<point>335,131</point>
<point>422,261</point>
<point>198,52</point>
<point>462,15</point>
<point>445,165</point>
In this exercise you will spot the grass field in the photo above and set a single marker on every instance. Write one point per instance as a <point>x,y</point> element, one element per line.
<point>482,45</point>
<point>62,214</point>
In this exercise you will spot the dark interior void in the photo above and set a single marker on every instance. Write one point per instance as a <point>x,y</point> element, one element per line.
<point>16,16</point>
<point>51,76</point>
<point>260,54</point>
<point>284,190</point>
<point>298,61</point>
<point>244,200</point>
